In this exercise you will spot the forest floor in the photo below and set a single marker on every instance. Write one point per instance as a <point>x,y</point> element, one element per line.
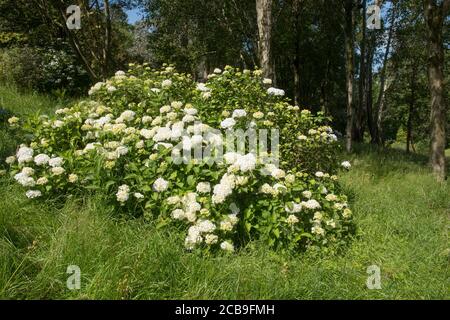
<point>402,217</point>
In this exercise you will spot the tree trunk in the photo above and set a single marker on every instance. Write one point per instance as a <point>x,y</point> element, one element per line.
<point>409,126</point>
<point>108,33</point>
<point>323,90</point>
<point>434,16</point>
<point>383,86</point>
<point>349,67</point>
<point>296,69</point>
<point>264,20</point>
<point>74,43</point>
<point>359,130</point>
<point>369,100</point>
<point>296,61</point>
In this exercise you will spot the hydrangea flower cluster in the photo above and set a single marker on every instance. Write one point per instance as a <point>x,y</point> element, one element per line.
<point>136,139</point>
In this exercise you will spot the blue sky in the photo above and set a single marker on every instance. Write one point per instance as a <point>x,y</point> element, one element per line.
<point>134,15</point>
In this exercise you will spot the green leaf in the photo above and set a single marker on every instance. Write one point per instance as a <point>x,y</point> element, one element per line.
<point>162,223</point>
<point>276,233</point>
<point>190,180</point>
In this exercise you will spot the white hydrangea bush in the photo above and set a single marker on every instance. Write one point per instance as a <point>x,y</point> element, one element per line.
<point>307,143</point>
<point>133,139</point>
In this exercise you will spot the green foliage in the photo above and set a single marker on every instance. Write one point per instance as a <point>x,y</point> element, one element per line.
<point>11,38</point>
<point>45,70</point>
<point>197,35</point>
<point>127,140</point>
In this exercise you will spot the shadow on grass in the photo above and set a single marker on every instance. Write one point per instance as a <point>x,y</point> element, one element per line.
<point>390,154</point>
<point>385,161</point>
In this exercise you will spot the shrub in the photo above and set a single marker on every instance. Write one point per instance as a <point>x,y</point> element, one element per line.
<point>45,70</point>
<point>306,142</point>
<point>20,66</point>
<point>135,138</point>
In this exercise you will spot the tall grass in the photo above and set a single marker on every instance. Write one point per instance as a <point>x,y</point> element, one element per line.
<point>402,216</point>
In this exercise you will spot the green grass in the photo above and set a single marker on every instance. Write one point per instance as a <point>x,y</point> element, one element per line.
<point>401,213</point>
<point>26,103</point>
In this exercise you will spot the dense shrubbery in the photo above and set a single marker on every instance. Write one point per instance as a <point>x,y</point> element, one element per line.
<point>45,70</point>
<point>128,137</point>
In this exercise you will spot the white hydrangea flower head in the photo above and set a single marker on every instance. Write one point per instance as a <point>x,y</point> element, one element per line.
<point>42,181</point>
<point>211,239</point>
<point>307,194</point>
<point>205,226</point>
<point>202,87</point>
<point>346,165</point>
<point>73,178</point>
<point>275,92</point>
<point>194,237</point>
<point>206,95</point>
<point>246,163</point>
<point>292,219</point>
<point>278,173</point>
<point>166,84</point>
<point>163,134</point>
<point>111,89</point>
<point>319,174</point>
<point>27,171</point>
<point>24,154</point>
<point>227,246</point>
<point>239,113</point>
<point>57,171</point>
<point>318,230</point>
<point>147,134</point>
<point>123,193</point>
<point>258,115</point>
<point>127,115</point>
<point>347,213</point>
<point>226,225</point>
<point>228,123</point>
<point>138,195</point>
<point>56,162</point>
<point>311,204</point>
<point>178,214</point>
<point>24,180</point>
<point>296,208</point>
<point>230,157</point>
<point>165,109</point>
<point>31,194</point>
<point>190,111</point>
<point>203,187</point>
<point>173,200</point>
<point>10,159</point>
<point>160,185</point>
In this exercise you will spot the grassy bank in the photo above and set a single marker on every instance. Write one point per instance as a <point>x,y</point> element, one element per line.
<point>402,216</point>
